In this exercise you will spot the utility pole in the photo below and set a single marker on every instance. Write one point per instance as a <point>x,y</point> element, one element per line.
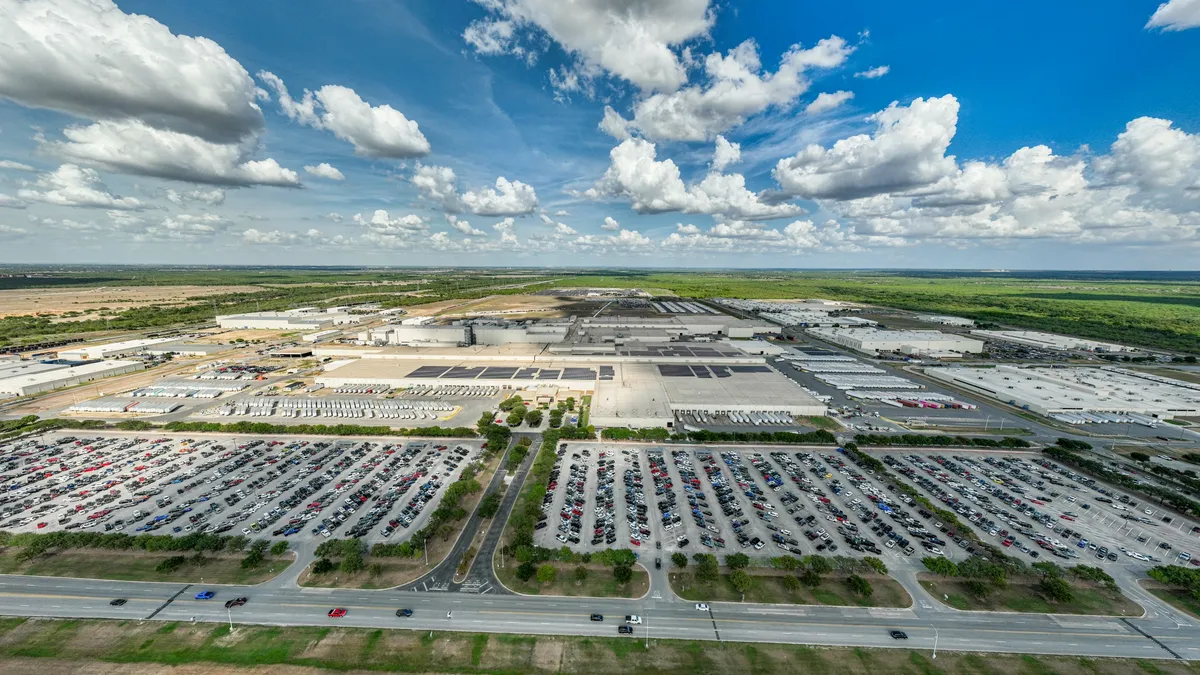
<point>230,612</point>
<point>935,640</point>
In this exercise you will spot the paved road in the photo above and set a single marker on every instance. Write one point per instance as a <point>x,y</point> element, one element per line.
<point>1159,637</point>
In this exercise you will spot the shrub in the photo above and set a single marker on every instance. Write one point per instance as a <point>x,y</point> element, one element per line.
<point>622,574</point>
<point>679,559</point>
<point>859,585</point>
<point>279,548</point>
<point>546,574</point>
<point>737,561</point>
<point>526,570</point>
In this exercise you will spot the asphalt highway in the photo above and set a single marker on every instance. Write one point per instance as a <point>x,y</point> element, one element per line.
<point>1161,638</point>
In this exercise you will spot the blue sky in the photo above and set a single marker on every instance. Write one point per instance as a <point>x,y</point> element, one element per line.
<point>774,133</point>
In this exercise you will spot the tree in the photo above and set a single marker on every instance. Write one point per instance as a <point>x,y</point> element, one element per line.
<point>940,565</point>
<point>1055,588</point>
<point>533,418</point>
<point>1139,457</point>
<point>581,575</point>
<point>279,548</point>
<point>254,558</point>
<point>623,574</point>
<point>375,569</point>
<point>526,570</point>
<point>323,566</point>
<point>859,585</point>
<point>737,561</point>
<point>1048,569</point>
<point>352,563</point>
<point>819,564</point>
<point>546,574</point>
<point>786,563</point>
<point>790,583</point>
<point>810,578</point>
<point>489,506</point>
<point>875,564</point>
<point>515,418</point>
<point>707,570</point>
<point>679,560</point>
<point>741,580</point>
<point>978,588</point>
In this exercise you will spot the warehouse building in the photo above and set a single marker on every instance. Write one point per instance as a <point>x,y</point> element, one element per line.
<point>503,333</point>
<point>188,349</point>
<point>945,320</point>
<point>1050,391</point>
<point>806,318</point>
<point>715,325</point>
<point>321,336</point>
<point>305,318</point>
<point>112,350</point>
<point>35,382</point>
<point>1051,341</point>
<point>917,342</point>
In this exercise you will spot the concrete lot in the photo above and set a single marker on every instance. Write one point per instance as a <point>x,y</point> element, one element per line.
<point>265,488</point>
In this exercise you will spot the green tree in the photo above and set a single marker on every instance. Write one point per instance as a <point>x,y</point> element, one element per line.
<point>352,563</point>
<point>819,564</point>
<point>810,578</point>
<point>546,573</point>
<point>526,570</point>
<point>533,418</point>
<point>786,563</point>
<point>940,565</point>
<point>1055,588</point>
<point>707,570</point>
<point>737,561</point>
<point>1048,569</point>
<point>622,574</point>
<point>1139,457</point>
<point>279,548</point>
<point>323,566</point>
<point>978,588</point>
<point>859,586</point>
<point>489,506</point>
<point>515,418</point>
<point>581,575</point>
<point>254,558</point>
<point>790,583</point>
<point>875,564</point>
<point>741,580</point>
<point>679,559</point>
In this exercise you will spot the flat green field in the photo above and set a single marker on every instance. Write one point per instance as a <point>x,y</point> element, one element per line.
<point>139,566</point>
<point>132,648</point>
<point>769,589</point>
<point>1022,598</point>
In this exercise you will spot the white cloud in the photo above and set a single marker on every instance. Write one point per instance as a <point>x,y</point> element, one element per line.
<point>1176,15</point>
<point>1152,153</point>
<point>508,231</point>
<point>746,237</point>
<point>88,58</point>
<point>631,39</point>
<point>656,187</point>
<point>874,73</point>
<point>825,101</point>
<point>726,153</point>
<point>564,230</point>
<point>71,185</point>
<point>334,217</point>
<point>10,202</point>
<point>907,151</point>
<point>374,131</point>
<point>213,197</point>
<point>130,146</point>
<point>610,224</point>
<point>561,212</point>
<point>325,170</point>
<point>625,241</point>
<point>509,198</point>
<point>736,90</point>
<point>438,183</point>
<point>15,166</point>
<point>614,125</point>
<point>464,227</point>
<point>382,223</point>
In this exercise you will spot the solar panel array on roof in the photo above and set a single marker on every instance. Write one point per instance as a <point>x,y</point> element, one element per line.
<point>669,370</point>
<point>428,372</point>
<point>750,369</point>
<point>607,372</point>
<point>548,374</point>
<point>701,371</point>
<point>526,373</point>
<point>578,374</point>
<point>499,372</point>
<point>720,371</point>
<point>460,373</point>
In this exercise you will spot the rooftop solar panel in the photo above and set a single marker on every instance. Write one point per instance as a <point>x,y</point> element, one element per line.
<point>428,372</point>
<point>527,373</point>
<point>460,373</point>
<point>578,374</point>
<point>548,374</point>
<point>667,370</point>
<point>496,372</point>
<point>750,369</point>
<point>720,371</point>
<point>701,371</point>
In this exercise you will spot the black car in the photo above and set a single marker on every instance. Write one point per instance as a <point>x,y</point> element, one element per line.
<point>625,628</point>
<point>658,563</point>
<point>236,602</point>
<point>597,617</point>
<point>898,635</point>
<point>404,612</point>
<point>118,602</point>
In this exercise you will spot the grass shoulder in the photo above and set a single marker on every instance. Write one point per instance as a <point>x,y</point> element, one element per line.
<point>597,582</point>
<point>770,588</point>
<point>1021,595</point>
<point>143,566</point>
<point>95,646</point>
<point>1179,598</point>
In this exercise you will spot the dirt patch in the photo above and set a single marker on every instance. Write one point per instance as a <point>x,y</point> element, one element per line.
<point>104,300</point>
<point>548,655</point>
<point>334,643</point>
<point>64,667</point>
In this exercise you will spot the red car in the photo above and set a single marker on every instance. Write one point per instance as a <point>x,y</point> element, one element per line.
<point>1066,517</point>
<point>337,613</point>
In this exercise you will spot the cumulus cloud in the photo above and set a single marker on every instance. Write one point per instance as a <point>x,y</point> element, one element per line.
<point>632,39</point>
<point>826,101</point>
<point>624,241</point>
<point>907,151</point>
<point>736,89</point>
<point>507,229</point>
<point>311,237</point>
<point>746,237</point>
<point>1152,153</point>
<point>508,198</point>
<point>874,73</point>
<point>610,224</point>
<point>10,202</point>
<point>438,184</point>
<point>325,170</point>
<point>726,153</point>
<point>132,146</point>
<point>213,197</point>
<point>1176,15</point>
<point>381,222</point>
<point>654,186</point>
<point>464,227</point>
<point>374,131</point>
<point>15,166</point>
<point>72,185</point>
<point>88,58</point>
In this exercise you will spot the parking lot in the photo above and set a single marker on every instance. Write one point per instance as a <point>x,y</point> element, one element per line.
<point>722,499</point>
<point>1036,509</point>
<point>376,489</point>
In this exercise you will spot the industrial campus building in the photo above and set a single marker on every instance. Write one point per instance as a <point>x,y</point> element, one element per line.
<point>1051,341</point>
<point>873,341</point>
<point>31,380</point>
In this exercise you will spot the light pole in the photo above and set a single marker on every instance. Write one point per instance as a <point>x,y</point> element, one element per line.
<point>647,621</point>
<point>935,639</point>
<point>230,613</point>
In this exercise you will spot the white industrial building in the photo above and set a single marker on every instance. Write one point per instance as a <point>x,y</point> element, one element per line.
<point>1056,390</point>
<point>112,350</point>
<point>35,382</point>
<point>417,335</point>
<point>945,320</point>
<point>527,333</point>
<point>188,348</point>
<point>717,325</point>
<point>321,336</point>
<point>1051,341</point>
<point>918,342</point>
<point>306,318</point>
<point>808,317</point>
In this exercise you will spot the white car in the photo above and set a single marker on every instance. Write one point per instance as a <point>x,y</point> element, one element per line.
<point>633,618</point>
<point>702,606</point>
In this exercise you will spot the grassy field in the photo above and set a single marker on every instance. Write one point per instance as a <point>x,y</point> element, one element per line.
<point>769,589</point>
<point>53,647</point>
<point>139,566</point>
<point>599,582</point>
<point>1017,597</point>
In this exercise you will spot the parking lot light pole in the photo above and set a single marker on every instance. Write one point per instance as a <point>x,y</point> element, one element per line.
<point>230,612</point>
<point>935,640</point>
<point>646,620</point>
